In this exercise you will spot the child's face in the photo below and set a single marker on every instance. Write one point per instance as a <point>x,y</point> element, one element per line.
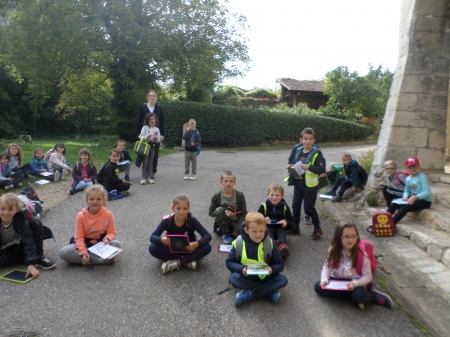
<point>120,146</point>
<point>84,157</point>
<point>152,120</point>
<point>390,170</point>
<point>308,141</point>
<point>95,202</point>
<point>413,169</point>
<point>181,209</point>
<point>4,160</point>
<point>39,154</point>
<point>275,196</point>
<point>14,150</point>
<point>60,149</point>
<point>228,182</point>
<point>346,160</point>
<point>349,237</point>
<point>255,231</point>
<point>7,213</point>
<point>192,126</point>
<point>114,157</point>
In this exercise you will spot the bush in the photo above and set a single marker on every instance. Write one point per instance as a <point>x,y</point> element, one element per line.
<point>230,126</point>
<point>261,92</point>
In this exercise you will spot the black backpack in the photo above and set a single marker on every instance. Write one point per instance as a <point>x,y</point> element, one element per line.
<point>363,177</point>
<point>101,175</point>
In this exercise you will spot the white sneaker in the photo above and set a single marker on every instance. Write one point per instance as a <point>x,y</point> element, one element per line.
<point>143,181</point>
<point>169,266</point>
<point>19,184</point>
<point>150,181</point>
<point>186,177</point>
<point>57,176</point>
<point>8,187</point>
<point>191,265</point>
<point>64,174</point>
<point>192,177</point>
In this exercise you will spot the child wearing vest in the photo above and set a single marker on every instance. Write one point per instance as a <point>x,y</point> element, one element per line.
<point>39,164</point>
<point>255,247</point>
<point>84,172</point>
<point>181,222</point>
<point>124,156</point>
<point>349,180</point>
<point>278,217</point>
<point>305,190</point>
<point>344,263</point>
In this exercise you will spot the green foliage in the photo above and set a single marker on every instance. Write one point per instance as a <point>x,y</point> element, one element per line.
<point>261,92</point>
<point>300,109</point>
<point>366,159</point>
<point>235,96</point>
<point>371,199</point>
<point>231,126</point>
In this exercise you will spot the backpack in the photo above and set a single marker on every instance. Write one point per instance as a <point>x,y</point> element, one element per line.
<point>382,224</point>
<point>397,176</point>
<point>365,246</point>
<point>267,249</point>
<point>113,195</point>
<point>31,201</point>
<point>363,177</point>
<point>101,175</point>
<point>44,162</point>
<point>48,154</point>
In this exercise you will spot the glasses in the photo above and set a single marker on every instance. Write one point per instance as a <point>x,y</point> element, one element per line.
<point>349,237</point>
<point>389,168</point>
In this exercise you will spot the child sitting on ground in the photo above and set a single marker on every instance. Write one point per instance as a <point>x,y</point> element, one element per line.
<point>343,263</point>
<point>109,175</point>
<point>8,178</point>
<point>21,241</point>
<point>395,186</point>
<point>254,246</point>
<point>181,221</point>
<point>278,217</point>
<point>192,142</point>
<point>124,156</point>
<point>57,162</point>
<point>16,160</point>
<point>84,172</point>
<point>417,192</point>
<point>349,180</point>
<point>94,224</point>
<point>39,164</point>
<point>228,207</point>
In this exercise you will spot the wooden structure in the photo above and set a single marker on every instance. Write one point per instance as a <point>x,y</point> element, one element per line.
<point>308,92</point>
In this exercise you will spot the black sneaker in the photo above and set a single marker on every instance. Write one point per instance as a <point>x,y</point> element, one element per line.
<point>284,251</point>
<point>127,177</point>
<point>382,299</point>
<point>294,231</point>
<point>331,192</point>
<point>71,191</point>
<point>316,234</point>
<point>45,263</point>
<point>125,193</point>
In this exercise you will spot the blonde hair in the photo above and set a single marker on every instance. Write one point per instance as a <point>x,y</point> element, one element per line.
<point>19,151</point>
<point>11,200</point>
<point>153,91</point>
<point>276,187</point>
<point>96,188</point>
<point>192,121</point>
<point>390,162</point>
<point>254,217</point>
<point>180,197</point>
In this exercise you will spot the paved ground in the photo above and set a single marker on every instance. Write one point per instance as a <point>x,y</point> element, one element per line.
<point>133,298</point>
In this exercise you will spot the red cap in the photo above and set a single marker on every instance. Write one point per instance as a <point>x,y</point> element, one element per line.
<point>411,161</point>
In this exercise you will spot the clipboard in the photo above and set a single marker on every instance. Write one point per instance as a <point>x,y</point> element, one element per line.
<point>178,242</point>
<point>223,249</point>
<point>17,276</point>
<point>337,285</point>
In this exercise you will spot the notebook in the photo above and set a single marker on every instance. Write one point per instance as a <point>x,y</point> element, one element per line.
<point>337,285</point>
<point>178,243</point>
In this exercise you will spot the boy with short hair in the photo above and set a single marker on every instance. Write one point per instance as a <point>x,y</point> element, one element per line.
<point>192,142</point>
<point>278,217</point>
<point>109,175</point>
<point>228,207</point>
<point>254,246</point>
<point>305,189</point>
<point>349,180</point>
<point>124,156</point>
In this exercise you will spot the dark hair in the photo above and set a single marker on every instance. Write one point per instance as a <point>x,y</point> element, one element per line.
<point>115,151</point>
<point>36,150</point>
<point>227,173</point>
<point>60,145</point>
<point>346,154</point>
<point>147,118</point>
<point>84,151</point>
<point>335,252</point>
<point>308,131</point>
<point>119,141</point>
<point>5,154</point>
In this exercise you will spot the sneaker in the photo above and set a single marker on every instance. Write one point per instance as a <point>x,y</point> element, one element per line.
<point>169,266</point>
<point>331,192</point>
<point>125,193</point>
<point>308,220</point>
<point>127,177</point>
<point>192,177</point>
<point>45,263</point>
<point>186,177</point>
<point>191,265</point>
<point>316,234</point>
<point>275,296</point>
<point>150,181</point>
<point>242,297</point>
<point>337,198</point>
<point>8,187</point>
<point>284,251</point>
<point>64,174</point>
<point>382,299</point>
<point>71,191</point>
<point>294,231</point>
<point>227,238</point>
<point>143,181</point>
<point>57,176</point>
<point>19,184</point>
<point>219,232</point>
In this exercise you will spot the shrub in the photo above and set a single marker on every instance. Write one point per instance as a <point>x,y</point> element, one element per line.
<point>261,92</point>
<point>371,199</point>
<point>230,126</point>
<point>366,159</point>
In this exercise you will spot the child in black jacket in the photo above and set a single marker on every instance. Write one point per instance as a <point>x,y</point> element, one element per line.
<point>109,175</point>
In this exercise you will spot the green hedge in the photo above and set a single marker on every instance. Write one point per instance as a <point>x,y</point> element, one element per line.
<point>230,126</point>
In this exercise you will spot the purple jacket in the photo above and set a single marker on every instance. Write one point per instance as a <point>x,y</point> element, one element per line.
<point>77,175</point>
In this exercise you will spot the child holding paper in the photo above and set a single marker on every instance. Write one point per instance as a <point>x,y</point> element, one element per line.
<point>181,221</point>
<point>94,224</point>
<point>124,157</point>
<point>341,264</point>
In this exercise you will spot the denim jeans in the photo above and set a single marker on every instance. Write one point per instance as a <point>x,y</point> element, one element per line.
<point>307,196</point>
<point>162,252</point>
<point>276,232</point>
<point>83,184</point>
<point>259,288</point>
<point>344,184</point>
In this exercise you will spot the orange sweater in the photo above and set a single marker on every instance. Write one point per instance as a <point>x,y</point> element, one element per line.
<point>91,226</point>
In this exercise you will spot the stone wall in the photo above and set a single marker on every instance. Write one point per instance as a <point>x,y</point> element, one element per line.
<point>416,120</point>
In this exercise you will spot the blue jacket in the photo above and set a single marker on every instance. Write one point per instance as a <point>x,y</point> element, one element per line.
<point>352,173</point>
<point>37,165</point>
<point>276,262</point>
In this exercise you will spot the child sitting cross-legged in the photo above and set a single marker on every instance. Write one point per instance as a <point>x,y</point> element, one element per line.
<point>350,180</point>
<point>8,178</point>
<point>84,172</point>
<point>39,164</point>
<point>255,247</point>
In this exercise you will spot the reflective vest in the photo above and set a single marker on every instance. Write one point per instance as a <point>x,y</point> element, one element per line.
<point>311,179</point>
<point>263,249</point>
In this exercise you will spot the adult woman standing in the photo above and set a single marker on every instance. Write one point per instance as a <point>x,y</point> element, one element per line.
<point>144,109</point>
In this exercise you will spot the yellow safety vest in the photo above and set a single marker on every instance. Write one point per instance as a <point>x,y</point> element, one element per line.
<point>245,260</point>
<point>312,179</point>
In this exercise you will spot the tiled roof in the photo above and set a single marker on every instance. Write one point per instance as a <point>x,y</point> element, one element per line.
<point>292,84</point>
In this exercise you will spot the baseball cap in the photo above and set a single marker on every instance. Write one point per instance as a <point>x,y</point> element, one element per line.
<point>411,161</point>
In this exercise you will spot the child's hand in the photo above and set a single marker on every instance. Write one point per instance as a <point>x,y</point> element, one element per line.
<point>85,259</point>
<point>228,213</point>
<point>351,286</point>
<point>87,179</point>
<point>9,179</point>
<point>192,246</point>
<point>165,241</point>
<point>353,189</point>
<point>124,181</point>
<point>283,223</point>
<point>268,220</point>
<point>244,271</point>
<point>404,199</point>
<point>323,283</point>
<point>31,270</point>
<point>269,269</point>
<point>106,241</point>
<point>305,167</point>
<point>412,200</point>
<point>192,144</point>
<point>382,183</point>
<point>288,166</point>
<point>43,170</point>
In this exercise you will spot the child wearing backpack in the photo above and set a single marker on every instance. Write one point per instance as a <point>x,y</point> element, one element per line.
<point>351,179</point>
<point>246,255</point>
<point>84,172</point>
<point>278,217</point>
<point>348,259</point>
<point>16,160</point>
<point>395,186</point>
<point>21,241</point>
<point>124,156</point>
<point>39,164</point>
<point>8,178</point>
<point>192,145</point>
<point>57,162</point>
<point>109,175</point>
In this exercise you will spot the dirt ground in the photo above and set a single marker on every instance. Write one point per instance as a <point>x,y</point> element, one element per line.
<point>53,193</point>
